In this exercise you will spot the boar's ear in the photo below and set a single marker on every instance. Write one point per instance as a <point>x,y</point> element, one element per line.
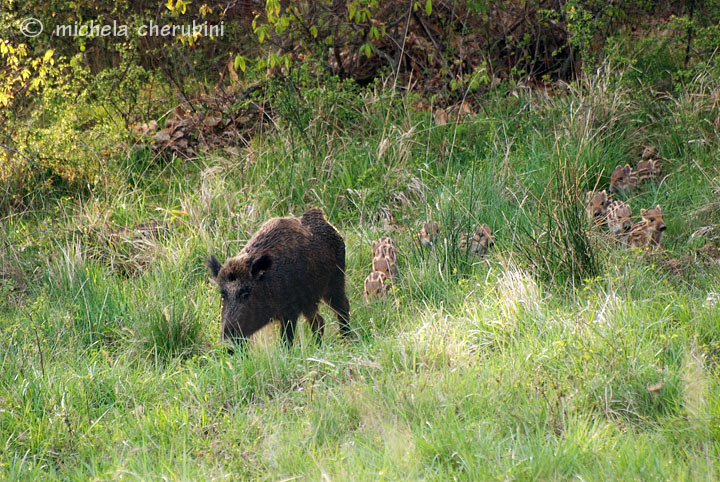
<point>259,266</point>
<point>214,265</point>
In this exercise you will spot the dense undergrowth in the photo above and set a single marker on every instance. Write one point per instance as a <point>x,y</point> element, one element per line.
<point>561,355</point>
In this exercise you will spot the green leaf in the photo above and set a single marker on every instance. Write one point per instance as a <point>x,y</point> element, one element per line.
<point>313,31</point>
<point>240,62</point>
<point>428,7</point>
<point>366,48</point>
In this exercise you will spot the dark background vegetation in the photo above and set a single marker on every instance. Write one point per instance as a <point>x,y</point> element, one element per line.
<point>448,52</point>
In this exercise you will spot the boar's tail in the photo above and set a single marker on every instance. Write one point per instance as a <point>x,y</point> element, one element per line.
<point>313,216</point>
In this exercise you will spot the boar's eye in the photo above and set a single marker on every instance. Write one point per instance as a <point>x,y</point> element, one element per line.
<point>223,293</point>
<point>652,220</point>
<point>242,294</point>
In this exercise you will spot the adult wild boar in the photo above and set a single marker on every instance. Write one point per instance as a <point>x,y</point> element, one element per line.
<point>285,269</point>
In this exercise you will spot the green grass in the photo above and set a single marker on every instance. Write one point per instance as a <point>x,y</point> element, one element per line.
<point>518,366</point>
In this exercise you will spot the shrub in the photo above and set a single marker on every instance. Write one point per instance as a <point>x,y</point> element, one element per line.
<point>554,239</point>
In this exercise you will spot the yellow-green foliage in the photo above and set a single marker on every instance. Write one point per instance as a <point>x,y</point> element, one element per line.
<point>21,72</point>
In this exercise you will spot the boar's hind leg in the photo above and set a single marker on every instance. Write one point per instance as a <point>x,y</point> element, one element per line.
<point>288,331</point>
<point>317,323</point>
<point>339,303</point>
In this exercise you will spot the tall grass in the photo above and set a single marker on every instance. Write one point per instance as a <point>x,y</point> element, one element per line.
<point>557,356</point>
<point>554,241</point>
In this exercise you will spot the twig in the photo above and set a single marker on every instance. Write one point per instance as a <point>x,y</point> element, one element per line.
<point>432,39</point>
<point>42,361</point>
<point>21,155</point>
<point>397,70</point>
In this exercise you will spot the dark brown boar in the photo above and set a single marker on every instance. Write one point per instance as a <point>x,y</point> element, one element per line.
<point>285,269</point>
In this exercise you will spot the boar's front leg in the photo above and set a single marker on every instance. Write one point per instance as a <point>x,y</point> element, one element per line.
<point>317,323</point>
<point>288,331</point>
<point>235,343</point>
<point>233,339</point>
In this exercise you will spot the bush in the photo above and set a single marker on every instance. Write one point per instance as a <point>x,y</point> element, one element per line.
<point>554,239</point>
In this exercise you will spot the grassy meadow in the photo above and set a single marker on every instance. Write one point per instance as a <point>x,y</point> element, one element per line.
<point>561,355</point>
